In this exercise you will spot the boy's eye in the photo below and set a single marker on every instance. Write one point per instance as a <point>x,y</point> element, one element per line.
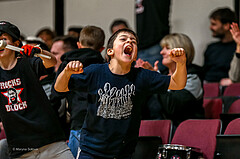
<point>122,39</point>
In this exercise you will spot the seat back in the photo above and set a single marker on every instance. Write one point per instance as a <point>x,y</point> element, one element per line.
<point>228,144</point>
<point>232,90</point>
<point>235,107</point>
<point>162,128</point>
<point>198,133</point>
<point>212,107</point>
<point>211,90</point>
<point>233,127</point>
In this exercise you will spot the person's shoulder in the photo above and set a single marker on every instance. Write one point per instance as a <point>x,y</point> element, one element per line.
<point>96,67</point>
<point>214,43</point>
<point>32,60</point>
<point>212,47</point>
<point>138,70</point>
<point>141,72</point>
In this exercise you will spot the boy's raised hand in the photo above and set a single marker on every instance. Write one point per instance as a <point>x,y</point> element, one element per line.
<point>178,55</point>
<point>74,67</point>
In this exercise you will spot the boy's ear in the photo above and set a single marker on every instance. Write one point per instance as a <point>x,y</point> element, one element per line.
<point>79,45</point>
<point>110,52</point>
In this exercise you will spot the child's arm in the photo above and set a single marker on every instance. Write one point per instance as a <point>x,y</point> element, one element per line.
<point>73,67</point>
<point>179,77</point>
<point>48,62</point>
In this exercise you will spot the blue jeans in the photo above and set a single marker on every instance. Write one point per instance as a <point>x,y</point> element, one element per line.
<point>84,155</point>
<point>151,55</point>
<point>74,140</point>
<point>4,149</point>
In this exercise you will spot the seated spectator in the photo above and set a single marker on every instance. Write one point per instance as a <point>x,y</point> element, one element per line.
<point>218,55</point>
<point>178,105</point>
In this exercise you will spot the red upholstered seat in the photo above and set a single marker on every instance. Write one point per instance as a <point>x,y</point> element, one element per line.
<point>199,134</point>
<point>162,128</point>
<point>212,107</point>
<point>211,89</point>
<point>235,107</point>
<point>233,127</point>
<point>232,90</point>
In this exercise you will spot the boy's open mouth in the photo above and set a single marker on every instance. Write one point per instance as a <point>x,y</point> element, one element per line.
<point>128,50</point>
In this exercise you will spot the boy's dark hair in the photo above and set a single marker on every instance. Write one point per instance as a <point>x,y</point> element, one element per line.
<point>224,15</point>
<point>92,37</point>
<point>69,42</point>
<point>118,22</point>
<point>114,36</point>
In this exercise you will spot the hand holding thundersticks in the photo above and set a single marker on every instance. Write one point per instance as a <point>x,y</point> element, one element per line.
<point>29,50</point>
<point>26,50</point>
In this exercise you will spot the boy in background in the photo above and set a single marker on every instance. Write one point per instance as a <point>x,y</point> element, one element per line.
<point>90,46</point>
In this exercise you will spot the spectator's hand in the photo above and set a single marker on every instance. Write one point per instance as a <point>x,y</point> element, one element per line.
<point>155,68</point>
<point>178,55</point>
<point>139,63</point>
<point>30,50</point>
<point>235,32</point>
<point>74,67</point>
<point>146,65</point>
<point>226,82</point>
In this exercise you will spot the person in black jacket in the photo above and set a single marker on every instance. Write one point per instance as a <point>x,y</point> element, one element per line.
<point>90,45</point>
<point>179,105</point>
<point>219,54</point>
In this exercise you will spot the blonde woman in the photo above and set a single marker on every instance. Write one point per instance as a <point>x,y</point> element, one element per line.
<point>178,105</point>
